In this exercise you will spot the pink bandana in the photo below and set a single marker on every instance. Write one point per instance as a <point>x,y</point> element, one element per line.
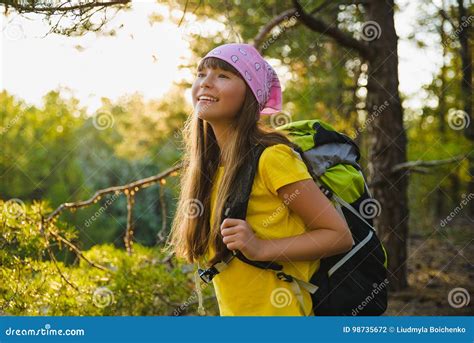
<point>259,75</point>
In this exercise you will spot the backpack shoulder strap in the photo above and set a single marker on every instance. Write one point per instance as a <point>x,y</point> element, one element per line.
<point>236,205</point>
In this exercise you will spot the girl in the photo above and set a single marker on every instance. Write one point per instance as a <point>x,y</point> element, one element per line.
<point>288,220</point>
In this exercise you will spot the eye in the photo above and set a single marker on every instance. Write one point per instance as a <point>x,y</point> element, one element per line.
<point>200,74</point>
<point>224,76</point>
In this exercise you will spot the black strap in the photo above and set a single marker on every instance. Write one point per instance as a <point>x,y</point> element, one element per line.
<point>259,264</point>
<point>237,204</point>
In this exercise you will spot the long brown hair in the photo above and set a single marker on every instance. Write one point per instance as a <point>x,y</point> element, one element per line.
<point>191,231</point>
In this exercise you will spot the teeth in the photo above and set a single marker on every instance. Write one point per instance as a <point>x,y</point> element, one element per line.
<point>207,98</point>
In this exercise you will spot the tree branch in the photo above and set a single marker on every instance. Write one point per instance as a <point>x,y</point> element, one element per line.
<point>129,190</point>
<point>61,8</point>
<point>416,167</point>
<point>129,231</point>
<point>278,19</point>
<point>332,31</point>
<point>45,231</point>
<point>76,250</point>
<point>131,187</point>
<point>161,237</point>
<point>53,258</point>
<point>270,25</point>
<point>415,164</point>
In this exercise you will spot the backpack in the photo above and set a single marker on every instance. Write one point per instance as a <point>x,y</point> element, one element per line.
<point>352,283</point>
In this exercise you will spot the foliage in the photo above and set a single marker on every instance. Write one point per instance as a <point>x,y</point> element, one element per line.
<point>34,284</point>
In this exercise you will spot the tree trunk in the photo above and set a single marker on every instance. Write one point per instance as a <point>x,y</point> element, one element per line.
<point>442,110</point>
<point>466,86</point>
<point>388,142</point>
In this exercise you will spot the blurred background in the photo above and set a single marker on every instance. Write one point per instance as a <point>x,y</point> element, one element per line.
<point>95,94</point>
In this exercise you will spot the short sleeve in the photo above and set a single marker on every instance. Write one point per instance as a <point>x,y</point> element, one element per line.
<point>280,165</point>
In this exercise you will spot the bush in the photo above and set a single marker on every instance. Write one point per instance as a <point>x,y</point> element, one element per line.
<point>35,281</point>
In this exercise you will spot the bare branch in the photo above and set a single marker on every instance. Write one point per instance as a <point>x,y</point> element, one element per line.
<point>184,13</point>
<point>129,231</point>
<point>129,190</point>
<point>77,251</point>
<point>332,31</point>
<point>45,231</point>
<point>61,8</point>
<point>415,164</point>
<point>134,186</point>
<point>416,167</point>
<point>161,234</point>
<point>278,19</point>
<point>419,170</point>
<point>53,258</point>
<point>270,25</point>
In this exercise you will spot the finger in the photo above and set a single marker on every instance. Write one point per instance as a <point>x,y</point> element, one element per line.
<point>230,230</point>
<point>234,246</point>
<point>230,239</point>
<point>228,222</point>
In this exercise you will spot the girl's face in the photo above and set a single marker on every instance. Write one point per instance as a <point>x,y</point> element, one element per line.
<point>217,94</point>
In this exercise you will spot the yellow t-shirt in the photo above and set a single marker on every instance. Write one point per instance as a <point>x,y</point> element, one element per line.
<point>245,290</point>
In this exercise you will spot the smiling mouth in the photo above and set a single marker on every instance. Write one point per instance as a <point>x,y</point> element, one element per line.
<point>207,99</point>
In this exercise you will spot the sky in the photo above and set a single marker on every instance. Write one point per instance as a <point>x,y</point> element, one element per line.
<point>144,57</point>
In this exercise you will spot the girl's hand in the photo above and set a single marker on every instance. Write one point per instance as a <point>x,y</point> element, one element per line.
<point>238,235</point>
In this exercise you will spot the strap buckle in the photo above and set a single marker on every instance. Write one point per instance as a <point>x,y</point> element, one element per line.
<point>284,277</point>
<point>208,274</point>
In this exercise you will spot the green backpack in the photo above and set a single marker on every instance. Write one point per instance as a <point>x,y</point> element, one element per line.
<point>353,283</point>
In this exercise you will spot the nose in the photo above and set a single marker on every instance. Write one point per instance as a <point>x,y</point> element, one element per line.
<point>207,82</point>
